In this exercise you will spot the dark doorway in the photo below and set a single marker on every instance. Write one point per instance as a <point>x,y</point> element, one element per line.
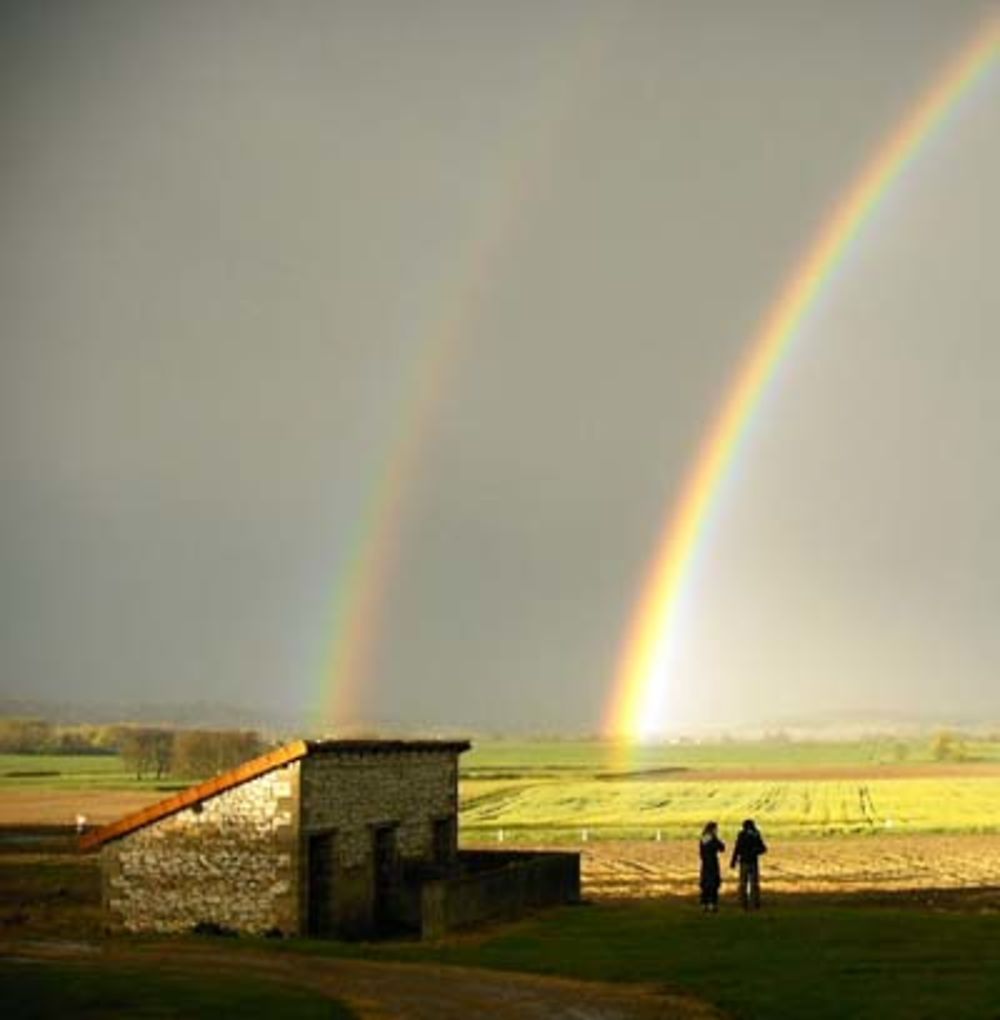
<point>386,861</point>
<point>322,861</point>
<point>445,844</point>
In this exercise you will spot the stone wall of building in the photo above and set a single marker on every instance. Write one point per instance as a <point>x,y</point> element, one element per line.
<point>231,860</point>
<point>352,795</point>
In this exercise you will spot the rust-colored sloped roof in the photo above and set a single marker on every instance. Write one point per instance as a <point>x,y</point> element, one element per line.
<point>251,770</point>
<point>193,794</point>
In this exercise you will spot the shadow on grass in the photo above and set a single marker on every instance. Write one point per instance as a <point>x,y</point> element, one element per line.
<point>922,955</point>
<point>32,990</point>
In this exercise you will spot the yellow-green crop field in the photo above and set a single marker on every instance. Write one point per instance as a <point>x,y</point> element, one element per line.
<point>555,791</point>
<point>556,809</point>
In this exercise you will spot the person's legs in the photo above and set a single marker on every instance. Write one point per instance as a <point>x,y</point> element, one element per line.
<point>755,885</point>
<point>744,885</point>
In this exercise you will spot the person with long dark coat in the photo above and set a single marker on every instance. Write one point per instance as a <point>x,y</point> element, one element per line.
<point>709,847</point>
<point>747,851</point>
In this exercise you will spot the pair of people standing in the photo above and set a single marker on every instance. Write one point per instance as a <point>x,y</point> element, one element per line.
<point>749,847</point>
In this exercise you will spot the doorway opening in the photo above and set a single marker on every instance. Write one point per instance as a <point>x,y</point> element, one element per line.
<point>387,877</point>
<point>322,862</point>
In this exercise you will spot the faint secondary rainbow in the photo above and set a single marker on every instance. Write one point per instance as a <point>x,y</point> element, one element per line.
<point>635,708</point>
<point>361,584</point>
<point>354,614</point>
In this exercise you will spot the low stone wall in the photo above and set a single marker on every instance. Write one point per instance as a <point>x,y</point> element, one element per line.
<point>495,886</point>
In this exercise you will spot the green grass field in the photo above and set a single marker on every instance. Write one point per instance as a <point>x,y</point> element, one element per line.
<point>558,757</point>
<point>39,991</point>
<point>597,757</point>
<point>76,772</point>
<point>795,960</point>
<point>799,957</point>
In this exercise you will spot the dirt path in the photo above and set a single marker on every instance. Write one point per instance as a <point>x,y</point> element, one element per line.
<point>394,991</point>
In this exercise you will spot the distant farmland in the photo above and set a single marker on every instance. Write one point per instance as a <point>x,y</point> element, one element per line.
<point>863,816</point>
<point>621,809</point>
<point>574,791</point>
<point>524,757</point>
<point>567,791</point>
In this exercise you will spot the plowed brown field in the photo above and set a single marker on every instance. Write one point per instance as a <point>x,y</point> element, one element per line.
<point>834,864</point>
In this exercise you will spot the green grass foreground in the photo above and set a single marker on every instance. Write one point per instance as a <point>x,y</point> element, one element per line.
<point>30,990</point>
<point>798,957</point>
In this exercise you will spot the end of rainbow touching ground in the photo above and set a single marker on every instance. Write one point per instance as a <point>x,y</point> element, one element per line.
<point>635,711</point>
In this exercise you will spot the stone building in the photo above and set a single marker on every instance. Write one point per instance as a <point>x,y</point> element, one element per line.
<point>318,837</point>
<point>337,837</point>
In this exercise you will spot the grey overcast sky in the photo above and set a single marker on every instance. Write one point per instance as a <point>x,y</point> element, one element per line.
<point>229,229</point>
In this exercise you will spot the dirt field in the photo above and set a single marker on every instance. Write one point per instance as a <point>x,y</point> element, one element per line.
<point>60,807</point>
<point>836,864</point>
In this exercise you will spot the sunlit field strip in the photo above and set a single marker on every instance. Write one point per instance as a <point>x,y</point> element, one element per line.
<point>640,810</point>
<point>600,756</point>
<point>77,772</point>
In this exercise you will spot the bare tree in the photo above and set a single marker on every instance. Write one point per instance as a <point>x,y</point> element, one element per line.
<point>200,753</point>
<point>146,750</point>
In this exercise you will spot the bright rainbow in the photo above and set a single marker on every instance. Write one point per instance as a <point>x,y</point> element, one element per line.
<point>635,709</point>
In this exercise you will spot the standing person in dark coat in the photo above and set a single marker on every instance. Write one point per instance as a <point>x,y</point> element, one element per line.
<point>749,846</point>
<point>710,847</point>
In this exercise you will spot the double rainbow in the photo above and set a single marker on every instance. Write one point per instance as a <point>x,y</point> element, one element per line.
<point>636,708</point>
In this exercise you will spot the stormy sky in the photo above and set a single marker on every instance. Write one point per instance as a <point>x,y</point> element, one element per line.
<point>231,234</point>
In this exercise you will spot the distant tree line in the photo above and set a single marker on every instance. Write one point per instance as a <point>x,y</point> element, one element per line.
<point>38,736</point>
<point>188,753</point>
<point>947,745</point>
<point>150,751</point>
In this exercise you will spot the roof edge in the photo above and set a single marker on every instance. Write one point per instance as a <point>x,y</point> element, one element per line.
<point>252,770</point>
<point>186,798</point>
<point>376,746</point>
